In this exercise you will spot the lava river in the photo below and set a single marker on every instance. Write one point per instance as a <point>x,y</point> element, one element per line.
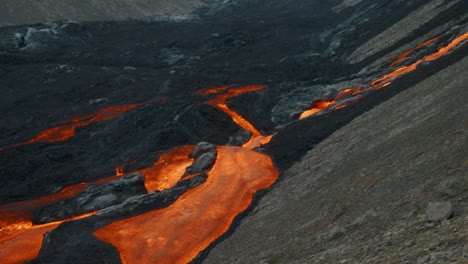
<point>68,127</point>
<point>177,234</point>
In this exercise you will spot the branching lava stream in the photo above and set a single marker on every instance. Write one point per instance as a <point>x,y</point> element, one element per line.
<point>67,130</point>
<point>386,79</point>
<point>176,234</point>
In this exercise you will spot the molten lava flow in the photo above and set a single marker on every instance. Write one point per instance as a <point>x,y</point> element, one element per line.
<point>66,131</point>
<point>23,241</point>
<point>317,106</point>
<point>119,170</point>
<point>176,234</point>
<point>168,170</point>
<point>219,102</point>
<point>20,240</point>
<point>320,105</point>
<point>386,79</point>
<point>408,52</point>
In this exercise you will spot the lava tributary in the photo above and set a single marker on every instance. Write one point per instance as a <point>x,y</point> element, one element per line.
<point>219,102</point>
<point>385,80</point>
<point>67,130</point>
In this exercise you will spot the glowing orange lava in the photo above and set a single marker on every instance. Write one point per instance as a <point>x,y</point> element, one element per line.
<point>317,106</point>
<point>408,52</point>
<point>23,241</point>
<point>214,90</point>
<point>176,234</point>
<point>20,240</point>
<point>66,131</point>
<point>119,170</point>
<point>386,79</point>
<point>219,102</point>
<point>168,170</point>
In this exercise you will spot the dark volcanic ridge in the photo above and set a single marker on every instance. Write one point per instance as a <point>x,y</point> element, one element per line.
<point>92,101</point>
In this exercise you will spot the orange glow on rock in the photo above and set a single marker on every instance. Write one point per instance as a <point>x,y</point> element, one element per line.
<point>119,170</point>
<point>177,234</point>
<point>66,131</point>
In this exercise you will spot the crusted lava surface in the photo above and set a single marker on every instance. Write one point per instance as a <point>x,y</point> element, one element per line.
<point>100,119</point>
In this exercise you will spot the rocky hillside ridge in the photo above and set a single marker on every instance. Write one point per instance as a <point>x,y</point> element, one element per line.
<point>18,12</point>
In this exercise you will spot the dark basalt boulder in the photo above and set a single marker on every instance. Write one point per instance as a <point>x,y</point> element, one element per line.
<point>202,148</point>
<point>203,163</point>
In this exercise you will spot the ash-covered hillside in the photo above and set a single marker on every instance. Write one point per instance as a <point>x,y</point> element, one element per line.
<point>14,12</point>
<point>194,138</point>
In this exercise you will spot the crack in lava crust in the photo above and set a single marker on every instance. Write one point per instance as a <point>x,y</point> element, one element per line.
<point>199,216</point>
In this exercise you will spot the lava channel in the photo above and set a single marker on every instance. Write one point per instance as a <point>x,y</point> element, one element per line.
<point>178,233</point>
<point>385,80</point>
<point>22,241</point>
<point>256,139</point>
<point>67,130</point>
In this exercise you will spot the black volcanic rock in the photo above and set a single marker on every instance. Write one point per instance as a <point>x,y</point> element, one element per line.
<point>203,163</point>
<point>151,201</point>
<point>202,148</point>
<point>95,197</point>
<point>439,211</point>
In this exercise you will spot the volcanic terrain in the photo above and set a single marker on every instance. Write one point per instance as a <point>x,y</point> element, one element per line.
<point>248,131</point>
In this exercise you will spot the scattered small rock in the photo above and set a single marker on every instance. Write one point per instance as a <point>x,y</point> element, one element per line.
<point>439,211</point>
<point>434,245</point>
<point>423,259</point>
<point>129,68</point>
<point>97,101</point>
<point>49,81</point>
